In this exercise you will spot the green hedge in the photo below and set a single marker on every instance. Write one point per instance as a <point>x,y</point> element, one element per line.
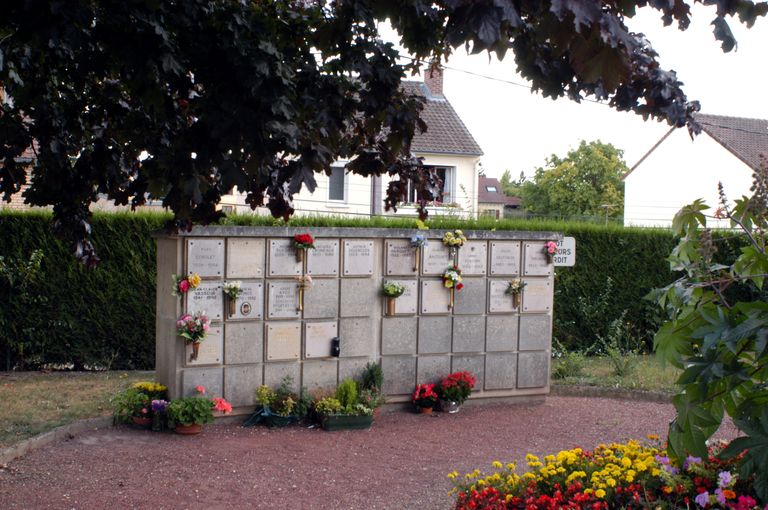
<point>106,316</point>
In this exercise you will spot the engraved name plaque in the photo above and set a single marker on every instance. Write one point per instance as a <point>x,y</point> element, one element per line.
<point>283,300</point>
<point>318,337</point>
<point>283,341</point>
<point>538,295</point>
<point>536,261</point>
<point>435,258</point>
<point>473,258</point>
<point>205,257</point>
<point>505,258</point>
<point>210,350</point>
<point>282,258</point>
<point>434,297</point>
<point>250,303</point>
<point>324,259</point>
<point>245,258</point>
<point>358,258</point>
<point>498,301</point>
<point>400,257</point>
<point>207,298</point>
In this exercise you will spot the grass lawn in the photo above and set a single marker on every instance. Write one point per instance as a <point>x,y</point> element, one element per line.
<point>35,402</point>
<point>649,374</point>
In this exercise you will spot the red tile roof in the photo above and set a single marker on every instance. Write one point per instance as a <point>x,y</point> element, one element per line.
<point>493,197</point>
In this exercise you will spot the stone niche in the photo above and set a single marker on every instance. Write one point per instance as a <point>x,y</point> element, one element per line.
<point>280,325</point>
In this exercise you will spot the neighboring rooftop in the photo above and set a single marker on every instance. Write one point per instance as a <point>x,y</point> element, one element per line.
<point>745,138</point>
<point>446,133</point>
<point>490,192</point>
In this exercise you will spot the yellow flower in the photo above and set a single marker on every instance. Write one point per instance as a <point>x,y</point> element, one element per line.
<point>497,464</point>
<point>194,280</point>
<point>600,493</point>
<point>652,437</point>
<point>453,475</point>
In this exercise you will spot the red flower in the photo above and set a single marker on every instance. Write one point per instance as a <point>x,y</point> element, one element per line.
<point>305,240</point>
<point>459,286</point>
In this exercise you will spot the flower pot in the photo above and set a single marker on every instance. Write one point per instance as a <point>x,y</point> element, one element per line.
<point>416,259</point>
<point>516,300</point>
<point>195,351</point>
<point>300,255</point>
<point>425,410</point>
<point>449,406</point>
<point>390,306</point>
<point>277,421</point>
<point>345,422</point>
<point>452,297</point>
<point>188,430</point>
<point>141,422</point>
<point>232,305</point>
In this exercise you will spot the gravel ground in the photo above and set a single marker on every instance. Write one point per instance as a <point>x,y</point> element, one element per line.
<point>400,463</point>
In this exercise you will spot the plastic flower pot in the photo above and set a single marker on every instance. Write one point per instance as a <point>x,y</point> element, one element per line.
<point>346,422</point>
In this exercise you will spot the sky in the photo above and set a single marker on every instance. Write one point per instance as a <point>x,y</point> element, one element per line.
<point>518,130</point>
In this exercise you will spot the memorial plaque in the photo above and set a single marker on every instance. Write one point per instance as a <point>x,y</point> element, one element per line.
<point>434,297</point>
<point>498,302</point>
<point>536,261</point>
<point>505,258</point>
<point>282,258</point>
<point>250,303</point>
<point>435,257</point>
<point>210,351</point>
<point>318,336</point>
<point>324,259</point>
<point>283,300</point>
<point>537,295</point>
<point>358,258</point>
<point>401,257</point>
<point>245,258</point>
<point>473,258</point>
<point>283,341</point>
<point>406,304</point>
<point>208,298</point>
<point>205,257</point>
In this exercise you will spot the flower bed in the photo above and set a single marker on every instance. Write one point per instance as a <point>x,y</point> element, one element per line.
<point>628,475</point>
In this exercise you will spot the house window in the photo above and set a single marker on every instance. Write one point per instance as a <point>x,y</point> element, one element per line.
<point>492,189</point>
<point>337,184</point>
<point>445,194</point>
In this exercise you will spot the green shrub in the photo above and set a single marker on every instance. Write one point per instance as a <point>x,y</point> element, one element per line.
<point>346,393</point>
<point>567,363</point>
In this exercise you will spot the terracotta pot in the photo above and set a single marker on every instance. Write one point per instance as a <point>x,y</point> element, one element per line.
<point>390,306</point>
<point>195,351</point>
<point>425,410</point>
<point>188,430</point>
<point>141,422</point>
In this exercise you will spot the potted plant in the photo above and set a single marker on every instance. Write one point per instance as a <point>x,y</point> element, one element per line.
<point>302,243</point>
<point>344,411</point>
<point>132,406</point>
<point>189,414</point>
<point>193,328</point>
<point>232,290</point>
<point>515,288</point>
<point>452,281</point>
<point>279,408</point>
<point>372,382</point>
<point>454,240</point>
<point>159,418</point>
<point>418,241</point>
<point>392,290</point>
<point>455,390</point>
<point>424,398</point>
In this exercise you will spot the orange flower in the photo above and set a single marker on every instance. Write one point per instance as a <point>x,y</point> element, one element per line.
<point>729,494</point>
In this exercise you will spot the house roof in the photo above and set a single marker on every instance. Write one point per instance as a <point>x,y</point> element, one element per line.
<point>446,133</point>
<point>484,196</point>
<point>745,138</point>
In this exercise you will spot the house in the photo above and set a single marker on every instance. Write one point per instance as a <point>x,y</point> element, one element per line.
<point>491,201</point>
<point>677,170</point>
<point>447,147</point>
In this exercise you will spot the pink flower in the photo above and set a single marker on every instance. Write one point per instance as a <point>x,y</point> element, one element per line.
<point>551,247</point>
<point>200,389</point>
<point>183,285</point>
<point>222,405</point>
<point>206,326</point>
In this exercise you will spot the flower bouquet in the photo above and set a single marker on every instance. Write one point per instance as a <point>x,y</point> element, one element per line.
<point>550,250</point>
<point>302,242</point>
<point>454,240</point>
<point>392,290</point>
<point>193,328</point>
<point>455,389</point>
<point>425,398</point>
<point>515,288</point>
<point>232,290</point>
<point>183,284</point>
<point>418,241</point>
<point>452,281</point>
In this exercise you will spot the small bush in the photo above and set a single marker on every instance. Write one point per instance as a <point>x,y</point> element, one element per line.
<point>568,363</point>
<point>346,393</point>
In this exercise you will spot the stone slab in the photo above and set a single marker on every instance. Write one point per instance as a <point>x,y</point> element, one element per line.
<point>243,343</point>
<point>358,296</point>
<point>399,374</point>
<point>536,262</point>
<point>207,298</point>
<point>324,259</point>
<point>241,382</point>
<point>322,300</point>
<point>245,257</point>
<point>407,303</point>
<point>468,334</point>
<point>283,299</point>
<point>282,258</point>
<point>473,364</point>
<point>435,297</point>
<point>505,258</point>
<point>358,257</point>
<point>250,303</point>
<point>317,338</point>
<point>205,257</point>
<point>470,300</point>
<point>532,369</point>
<point>473,258</point>
<point>400,257</point>
<point>211,350</point>
<point>435,335</point>
<point>435,258</point>
<point>432,369</point>
<point>274,373</point>
<point>398,335</point>
<point>500,371</point>
<point>357,338</point>
<point>352,368</point>
<point>501,333</point>
<point>538,295</point>
<point>498,301</point>
<point>283,341</point>
<point>535,332</point>
<point>320,375</point>
<point>211,378</point>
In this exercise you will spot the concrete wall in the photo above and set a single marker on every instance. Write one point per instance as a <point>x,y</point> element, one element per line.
<point>267,338</point>
<point>676,173</point>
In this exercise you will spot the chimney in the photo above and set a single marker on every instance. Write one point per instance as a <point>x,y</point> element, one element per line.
<point>433,79</point>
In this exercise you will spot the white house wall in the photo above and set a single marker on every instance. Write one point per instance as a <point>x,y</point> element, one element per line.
<point>678,172</point>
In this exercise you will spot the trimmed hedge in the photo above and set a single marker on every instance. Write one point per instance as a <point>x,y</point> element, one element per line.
<point>106,316</point>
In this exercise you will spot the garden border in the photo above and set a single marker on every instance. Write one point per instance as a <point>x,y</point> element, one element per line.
<point>565,390</point>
